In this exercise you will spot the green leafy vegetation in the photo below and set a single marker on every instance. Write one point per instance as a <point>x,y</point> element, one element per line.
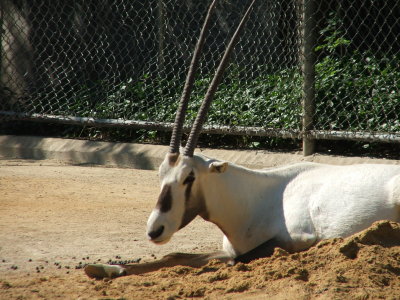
<point>355,91</point>
<point>358,92</point>
<point>271,100</point>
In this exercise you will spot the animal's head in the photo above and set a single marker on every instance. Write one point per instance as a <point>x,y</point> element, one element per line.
<point>181,198</point>
<point>181,175</point>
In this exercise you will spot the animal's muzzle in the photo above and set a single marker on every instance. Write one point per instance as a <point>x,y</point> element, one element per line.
<point>156,233</point>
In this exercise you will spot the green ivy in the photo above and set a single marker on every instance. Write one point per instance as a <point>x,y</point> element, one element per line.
<point>355,91</point>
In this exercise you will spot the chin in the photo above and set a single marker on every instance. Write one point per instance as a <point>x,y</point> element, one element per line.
<point>161,242</point>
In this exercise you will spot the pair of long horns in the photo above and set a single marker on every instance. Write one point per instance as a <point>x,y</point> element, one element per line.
<point>202,113</point>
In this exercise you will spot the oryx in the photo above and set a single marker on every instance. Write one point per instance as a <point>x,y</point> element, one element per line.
<point>292,207</point>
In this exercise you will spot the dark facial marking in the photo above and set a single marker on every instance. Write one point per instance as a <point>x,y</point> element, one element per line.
<point>164,202</point>
<point>189,183</point>
<point>194,207</point>
<point>190,178</point>
<point>188,216</point>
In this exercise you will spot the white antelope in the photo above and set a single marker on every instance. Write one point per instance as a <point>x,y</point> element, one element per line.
<point>291,207</point>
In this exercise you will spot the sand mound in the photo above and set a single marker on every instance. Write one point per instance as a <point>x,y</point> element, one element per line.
<point>383,233</point>
<point>363,266</point>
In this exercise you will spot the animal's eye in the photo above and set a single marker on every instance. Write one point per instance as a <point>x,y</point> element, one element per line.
<point>189,179</point>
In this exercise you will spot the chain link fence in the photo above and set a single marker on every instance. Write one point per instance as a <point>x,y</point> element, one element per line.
<point>302,69</point>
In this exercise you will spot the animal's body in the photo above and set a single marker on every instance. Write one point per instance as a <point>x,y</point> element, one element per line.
<point>291,207</point>
<point>296,205</point>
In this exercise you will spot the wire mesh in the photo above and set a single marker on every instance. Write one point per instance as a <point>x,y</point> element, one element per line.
<point>357,73</point>
<point>123,63</point>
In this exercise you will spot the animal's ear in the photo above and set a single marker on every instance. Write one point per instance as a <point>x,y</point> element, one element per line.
<point>218,167</point>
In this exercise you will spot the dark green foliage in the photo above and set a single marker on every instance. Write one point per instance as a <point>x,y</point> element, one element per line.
<point>355,91</point>
<point>268,101</point>
<point>358,92</point>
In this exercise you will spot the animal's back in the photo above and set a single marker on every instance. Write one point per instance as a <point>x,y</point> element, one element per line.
<point>337,201</point>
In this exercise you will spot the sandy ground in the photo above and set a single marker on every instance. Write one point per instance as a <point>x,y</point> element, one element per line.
<point>54,218</point>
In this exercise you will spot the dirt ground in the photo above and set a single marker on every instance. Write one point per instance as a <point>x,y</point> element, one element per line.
<point>54,218</point>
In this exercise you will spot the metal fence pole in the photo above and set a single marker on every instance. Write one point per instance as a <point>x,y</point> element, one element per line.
<point>161,37</point>
<point>1,46</point>
<point>308,58</point>
<point>2,53</point>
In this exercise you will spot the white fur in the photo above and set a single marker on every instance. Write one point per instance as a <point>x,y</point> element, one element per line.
<point>297,205</point>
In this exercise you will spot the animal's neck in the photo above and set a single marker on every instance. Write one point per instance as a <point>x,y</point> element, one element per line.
<point>237,202</point>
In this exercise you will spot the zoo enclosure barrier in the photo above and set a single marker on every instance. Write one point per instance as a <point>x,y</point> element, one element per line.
<point>302,69</point>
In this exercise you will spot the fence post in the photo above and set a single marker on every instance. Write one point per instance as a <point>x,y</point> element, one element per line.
<point>161,37</point>
<point>2,32</point>
<point>308,41</point>
<point>1,42</point>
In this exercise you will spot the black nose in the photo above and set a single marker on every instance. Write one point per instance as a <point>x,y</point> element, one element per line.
<point>156,233</point>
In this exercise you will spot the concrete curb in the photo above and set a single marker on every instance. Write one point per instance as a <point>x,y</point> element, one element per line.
<point>148,157</point>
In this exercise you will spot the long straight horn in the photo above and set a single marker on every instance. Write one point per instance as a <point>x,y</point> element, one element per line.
<point>187,89</point>
<point>201,116</point>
